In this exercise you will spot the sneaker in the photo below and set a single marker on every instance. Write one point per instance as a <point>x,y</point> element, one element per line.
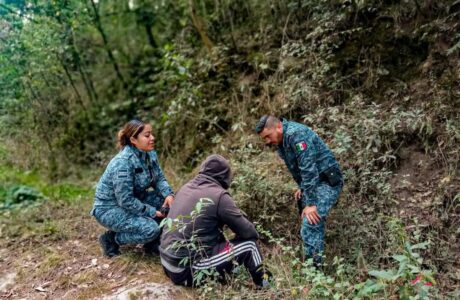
<point>263,277</point>
<point>152,248</point>
<point>267,278</point>
<point>108,244</point>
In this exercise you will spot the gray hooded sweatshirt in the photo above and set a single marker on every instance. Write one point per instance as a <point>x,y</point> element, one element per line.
<point>203,230</point>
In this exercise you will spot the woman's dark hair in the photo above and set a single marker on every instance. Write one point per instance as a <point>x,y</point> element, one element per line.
<point>129,130</point>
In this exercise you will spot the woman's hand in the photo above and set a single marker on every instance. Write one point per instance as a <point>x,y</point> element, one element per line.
<point>168,201</point>
<point>159,214</point>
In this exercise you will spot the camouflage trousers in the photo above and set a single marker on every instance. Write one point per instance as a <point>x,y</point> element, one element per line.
<point>130,228</point>
<point>313,234</point>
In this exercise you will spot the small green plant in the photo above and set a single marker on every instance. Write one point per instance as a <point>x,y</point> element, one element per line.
<point>410,280</point>
<point>302,279</point>
<point>20,196</point>
<point>339,281</point>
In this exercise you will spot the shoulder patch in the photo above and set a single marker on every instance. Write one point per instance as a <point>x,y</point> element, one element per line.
<point>122,173</point>
<point>302,146</point>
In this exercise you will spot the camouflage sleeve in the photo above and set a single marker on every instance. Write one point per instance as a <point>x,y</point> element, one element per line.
<point>123,183</point>
<point>305,152</point>
<point>161,184</point>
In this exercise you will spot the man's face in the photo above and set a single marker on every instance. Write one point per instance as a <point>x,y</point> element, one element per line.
<point>272,136</point>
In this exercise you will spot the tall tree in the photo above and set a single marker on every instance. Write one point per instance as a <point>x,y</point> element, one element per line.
<point>98,23</point>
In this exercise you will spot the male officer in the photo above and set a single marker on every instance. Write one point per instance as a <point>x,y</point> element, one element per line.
<point>316,171</point>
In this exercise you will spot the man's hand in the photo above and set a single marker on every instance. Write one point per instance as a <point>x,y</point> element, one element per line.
<point>159,214</point>
<point>297,194</point>
<point>311,213</point>
<point>168,201</point>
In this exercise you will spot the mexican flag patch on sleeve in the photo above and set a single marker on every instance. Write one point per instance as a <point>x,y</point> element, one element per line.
<point>299,147</point>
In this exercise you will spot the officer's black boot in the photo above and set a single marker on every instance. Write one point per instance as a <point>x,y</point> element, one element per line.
<point>152,248</point>
<point>108,244</point>
<point>318,262</point>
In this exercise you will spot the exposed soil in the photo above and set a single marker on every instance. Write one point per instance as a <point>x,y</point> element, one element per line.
<point>145,291</point>
<point>425,194</point>
<point>59,258</point>
<point>415,183</point>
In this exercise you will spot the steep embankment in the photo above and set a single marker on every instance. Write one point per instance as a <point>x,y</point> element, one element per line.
<point>380,83</point>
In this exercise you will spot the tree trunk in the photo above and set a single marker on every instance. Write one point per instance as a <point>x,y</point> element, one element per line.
<point>199,26</point>
<point>90,90</point>
<point>38,98</point>
<point>148,30</point>
<point>99,27</point>
<point>72,83</point>
<point>69,40</point>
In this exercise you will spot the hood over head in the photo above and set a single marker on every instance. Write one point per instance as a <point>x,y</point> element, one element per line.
<point>218,168</point>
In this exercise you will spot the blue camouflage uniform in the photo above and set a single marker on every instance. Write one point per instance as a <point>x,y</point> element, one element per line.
<point>128,195</point>
<point>318,175</point>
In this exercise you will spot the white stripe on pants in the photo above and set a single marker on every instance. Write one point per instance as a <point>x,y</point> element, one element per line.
<point>225,256</point>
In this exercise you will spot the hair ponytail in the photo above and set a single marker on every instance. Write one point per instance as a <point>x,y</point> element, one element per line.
<point>129,130</point>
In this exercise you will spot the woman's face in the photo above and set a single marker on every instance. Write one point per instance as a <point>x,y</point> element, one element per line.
<point>145,141</point>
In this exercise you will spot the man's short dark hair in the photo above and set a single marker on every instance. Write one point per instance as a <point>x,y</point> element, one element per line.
<point>266,121</point>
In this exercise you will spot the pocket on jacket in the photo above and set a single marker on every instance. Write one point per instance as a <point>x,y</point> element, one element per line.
<point>333,176</point>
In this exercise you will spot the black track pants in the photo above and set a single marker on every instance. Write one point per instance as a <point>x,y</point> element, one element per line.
<point>224,255</point>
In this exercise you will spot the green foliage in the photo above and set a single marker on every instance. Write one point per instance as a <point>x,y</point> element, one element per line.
<point>297,279</point>
<point>342,282</point>
<point>375,79</point>
<point>410,265</point>
<point>20,188</point>
<point>263,190</point>
<point>19,196</point>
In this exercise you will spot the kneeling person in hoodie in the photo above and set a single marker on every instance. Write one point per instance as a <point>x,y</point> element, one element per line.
<point>198,243</point>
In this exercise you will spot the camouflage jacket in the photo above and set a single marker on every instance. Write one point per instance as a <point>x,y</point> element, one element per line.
<point>127,179</point>
<point>306,156</point>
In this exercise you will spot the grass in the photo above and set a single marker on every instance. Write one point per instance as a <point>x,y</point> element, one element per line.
<point>54,243</point>
<point>64,190</point>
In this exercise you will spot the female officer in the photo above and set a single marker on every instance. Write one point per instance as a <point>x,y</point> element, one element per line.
<point>131,192</point>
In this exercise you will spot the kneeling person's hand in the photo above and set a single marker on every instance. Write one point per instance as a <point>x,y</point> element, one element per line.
<point>168,201</point>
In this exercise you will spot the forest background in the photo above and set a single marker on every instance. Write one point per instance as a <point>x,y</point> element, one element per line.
<point>379,81</point>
